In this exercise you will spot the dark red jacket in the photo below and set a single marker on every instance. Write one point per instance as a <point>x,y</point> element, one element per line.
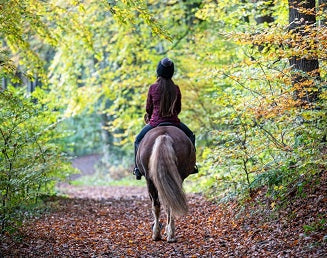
<point>153,106</point>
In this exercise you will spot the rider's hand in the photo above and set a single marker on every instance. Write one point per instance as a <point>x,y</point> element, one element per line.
<point>146,118</point>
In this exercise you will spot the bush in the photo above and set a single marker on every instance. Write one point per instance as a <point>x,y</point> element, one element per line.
<point>30,162</point>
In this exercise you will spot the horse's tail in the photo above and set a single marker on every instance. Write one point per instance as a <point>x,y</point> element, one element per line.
<point>165,176</point>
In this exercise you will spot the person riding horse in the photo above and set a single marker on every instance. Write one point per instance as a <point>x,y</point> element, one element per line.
<point>163,106</point>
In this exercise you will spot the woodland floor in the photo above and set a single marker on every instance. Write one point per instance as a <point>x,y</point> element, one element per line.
<point>116,222</point>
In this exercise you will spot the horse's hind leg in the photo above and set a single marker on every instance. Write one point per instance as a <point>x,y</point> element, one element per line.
<point>156,226</point>
<point>155,210</point>
<point>170,228</point>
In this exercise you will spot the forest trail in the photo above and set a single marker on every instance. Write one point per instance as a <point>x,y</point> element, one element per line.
<point>116,222</point>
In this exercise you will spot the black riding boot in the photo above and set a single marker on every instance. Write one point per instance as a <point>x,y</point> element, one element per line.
<point>138,139</point>
<point>196,169</point>
<point>136,171</point>
<point>191,136</point>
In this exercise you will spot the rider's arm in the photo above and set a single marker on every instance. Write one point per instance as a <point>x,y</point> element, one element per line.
<point>178,104</point>
<point>149,104</point>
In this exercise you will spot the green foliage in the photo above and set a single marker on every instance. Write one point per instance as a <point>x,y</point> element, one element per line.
<point>320,224</point>
<point>75,49</point>
<point>30,160</point>
<point>260,134</point>
<point>101,179</point>
<point>98,58</point>
<point>83,134</point>
<point>235,80</point>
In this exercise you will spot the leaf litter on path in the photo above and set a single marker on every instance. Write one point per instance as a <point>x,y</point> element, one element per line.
<point>116,222</point>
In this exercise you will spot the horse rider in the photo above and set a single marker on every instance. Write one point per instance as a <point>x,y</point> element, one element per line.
<point>162,107</point>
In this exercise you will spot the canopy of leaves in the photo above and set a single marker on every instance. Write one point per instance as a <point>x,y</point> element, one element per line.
<point>239,93</point>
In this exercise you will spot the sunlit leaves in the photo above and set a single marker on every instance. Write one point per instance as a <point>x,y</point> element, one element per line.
<point>30,158</point>
<point>236,82</point>
<point>255,125</point>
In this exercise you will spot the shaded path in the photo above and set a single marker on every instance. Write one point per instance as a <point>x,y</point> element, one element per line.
<point>85,164</point>
<point>103,192</point>
<point>119,225</point>
<point>116,222</point>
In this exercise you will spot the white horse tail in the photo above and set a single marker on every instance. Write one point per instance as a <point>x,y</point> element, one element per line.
<point>165,176</point>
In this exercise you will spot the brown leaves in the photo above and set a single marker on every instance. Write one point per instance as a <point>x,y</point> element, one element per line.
<point>118,226</point>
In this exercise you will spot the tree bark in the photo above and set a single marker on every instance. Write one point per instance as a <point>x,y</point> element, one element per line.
<point>107,138</point>
<point>106,135</point>
<point>31,85</point>
<point>267,13</point>
<point>305,70</point>
<point>4,85</point>
<point>245,18</point>
<point>323,7</point>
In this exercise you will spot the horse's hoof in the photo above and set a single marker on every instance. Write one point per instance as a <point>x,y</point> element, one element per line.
<point>156,238</point>
<point>171,240</point>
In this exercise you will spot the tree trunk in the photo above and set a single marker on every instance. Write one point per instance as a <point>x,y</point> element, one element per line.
<point>323,7</point>
<point>31,85</point>
<point>4,85</point>
<point>106,135</point>
<point>107,139</point>
<point>245,18</point>
<point>305,70</point>
<point>266,12</point>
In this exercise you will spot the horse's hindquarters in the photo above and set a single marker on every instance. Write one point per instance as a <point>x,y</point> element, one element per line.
<point>159,153</point>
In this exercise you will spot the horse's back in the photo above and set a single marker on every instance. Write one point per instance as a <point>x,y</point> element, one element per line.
<point>183,147</point>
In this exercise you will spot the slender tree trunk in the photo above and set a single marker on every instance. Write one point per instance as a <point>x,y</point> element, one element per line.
<point>191,7</point>
<point>30,87</point>
<point>323,7</point>
<point>106,135</point>
<point>266,13</point>
<point>323,22</point>
<point>245,18</point>
<point>305,70</point>
<point>4,80</point>
<point>107,138</point>
<point>4,85</point>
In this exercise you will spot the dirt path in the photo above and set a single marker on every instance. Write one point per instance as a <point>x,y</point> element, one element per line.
<point>85,164</point>
<point>101,193</point>
<point>116,222</point>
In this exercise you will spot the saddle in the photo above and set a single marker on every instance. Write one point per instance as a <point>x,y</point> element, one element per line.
<point>167,124</point>
<point>196,170</point>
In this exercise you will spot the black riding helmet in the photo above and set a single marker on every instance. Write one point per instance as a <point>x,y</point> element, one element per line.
<point>165,68</point>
